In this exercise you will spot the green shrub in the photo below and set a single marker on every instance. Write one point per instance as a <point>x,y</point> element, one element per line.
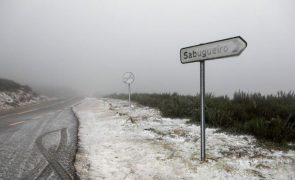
<point>270,117</point>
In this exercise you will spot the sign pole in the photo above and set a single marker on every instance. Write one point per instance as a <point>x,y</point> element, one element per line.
<point>213,50</point>
<point>202,109</point>
<point>129,90</point>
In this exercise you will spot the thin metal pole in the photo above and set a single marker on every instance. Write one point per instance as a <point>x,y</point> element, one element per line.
<point>202,108</point>
<point>129,90</point>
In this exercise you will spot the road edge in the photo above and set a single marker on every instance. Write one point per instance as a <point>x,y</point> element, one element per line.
<point>76,139</point>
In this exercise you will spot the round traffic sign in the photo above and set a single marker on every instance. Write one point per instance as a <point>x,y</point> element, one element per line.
<point>128,77</point>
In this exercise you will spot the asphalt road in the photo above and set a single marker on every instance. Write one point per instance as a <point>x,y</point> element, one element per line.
<point>39,141</point>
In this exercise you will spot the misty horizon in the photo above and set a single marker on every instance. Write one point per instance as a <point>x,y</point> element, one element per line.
<point>86,46</point>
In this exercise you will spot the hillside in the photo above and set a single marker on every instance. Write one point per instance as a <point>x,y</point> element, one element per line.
<point>14,95</point>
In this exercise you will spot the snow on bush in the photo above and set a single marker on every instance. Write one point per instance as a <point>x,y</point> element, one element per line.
<point>17,98</point>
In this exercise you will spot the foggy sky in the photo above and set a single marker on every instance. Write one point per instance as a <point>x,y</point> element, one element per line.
<point>89,44</point>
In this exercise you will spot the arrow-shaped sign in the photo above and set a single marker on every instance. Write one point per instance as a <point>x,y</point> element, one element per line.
<point>213,50</point>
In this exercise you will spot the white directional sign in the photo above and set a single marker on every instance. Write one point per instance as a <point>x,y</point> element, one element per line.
<point>213,50</point>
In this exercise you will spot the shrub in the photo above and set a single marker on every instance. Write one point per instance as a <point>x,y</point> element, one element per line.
<point>270,117</point>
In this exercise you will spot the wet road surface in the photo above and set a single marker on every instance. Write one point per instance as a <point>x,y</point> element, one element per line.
<point>39,141</point>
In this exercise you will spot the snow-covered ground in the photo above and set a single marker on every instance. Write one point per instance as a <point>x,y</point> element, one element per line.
<point>17,98</point>
<point>118,143</point>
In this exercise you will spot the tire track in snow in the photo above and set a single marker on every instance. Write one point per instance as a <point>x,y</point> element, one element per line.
<point>51,158</point>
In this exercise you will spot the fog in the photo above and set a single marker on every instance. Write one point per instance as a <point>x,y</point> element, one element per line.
<point>87,45</point>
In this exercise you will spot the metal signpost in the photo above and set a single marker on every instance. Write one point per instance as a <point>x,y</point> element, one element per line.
<point>209,51</point>
<point>128,78</point>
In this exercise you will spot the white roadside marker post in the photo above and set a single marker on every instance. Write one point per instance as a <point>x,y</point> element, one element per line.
<point>209,51</point>
<point>128,78</point>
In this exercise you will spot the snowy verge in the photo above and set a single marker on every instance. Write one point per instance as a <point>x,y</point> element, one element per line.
<point>118,143</point>
<point>12,99</point>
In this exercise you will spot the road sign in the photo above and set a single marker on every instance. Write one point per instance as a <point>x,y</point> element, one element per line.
<point>128,78</point>
<point>213,50</point>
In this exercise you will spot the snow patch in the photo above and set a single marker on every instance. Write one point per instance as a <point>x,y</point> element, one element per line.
<point>12,99</point>
<point>116,142</point>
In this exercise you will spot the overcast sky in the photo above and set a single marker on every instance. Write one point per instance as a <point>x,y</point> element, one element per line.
<point>89,44</point>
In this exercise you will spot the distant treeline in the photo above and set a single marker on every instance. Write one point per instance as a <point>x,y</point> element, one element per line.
<point>269,117</point>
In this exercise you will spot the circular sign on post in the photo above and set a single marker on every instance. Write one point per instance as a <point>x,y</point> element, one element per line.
<point>128,78</point>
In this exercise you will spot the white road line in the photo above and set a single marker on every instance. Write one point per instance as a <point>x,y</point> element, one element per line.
<point>27,111</point>
<point>16,123</point>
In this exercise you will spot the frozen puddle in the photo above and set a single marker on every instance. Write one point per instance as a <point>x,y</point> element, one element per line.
<point>118,143</point>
